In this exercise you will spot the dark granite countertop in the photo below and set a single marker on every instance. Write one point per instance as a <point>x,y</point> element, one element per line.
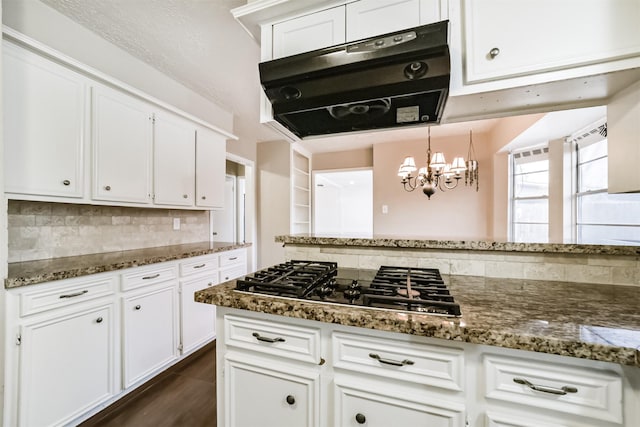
<point>33,272</point>
<point>472,245</point>
<point>589,321</point>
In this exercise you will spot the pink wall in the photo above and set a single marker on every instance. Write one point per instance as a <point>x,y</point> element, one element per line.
<point>458,214</point>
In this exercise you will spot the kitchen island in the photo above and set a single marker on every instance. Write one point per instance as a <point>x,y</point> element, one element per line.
<point>524,352</point>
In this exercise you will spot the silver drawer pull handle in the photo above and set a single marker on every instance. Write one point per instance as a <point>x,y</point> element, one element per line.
<point>266,339</point>
<point>233,258</point>
<point>545,389</point>
<point>151,277</point>
<point>199,266</point>
<point>391,362</point>
<point>77,294</point>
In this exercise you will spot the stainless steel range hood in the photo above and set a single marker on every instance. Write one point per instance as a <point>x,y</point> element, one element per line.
<point>392,80</point>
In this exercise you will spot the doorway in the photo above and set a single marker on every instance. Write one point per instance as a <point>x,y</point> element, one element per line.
<point>224,221</point>
<point>237,222</point>
<point>343,202</point>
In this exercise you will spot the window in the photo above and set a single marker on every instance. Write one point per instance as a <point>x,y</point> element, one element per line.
<point>530,196</point>
<point>602,218</point>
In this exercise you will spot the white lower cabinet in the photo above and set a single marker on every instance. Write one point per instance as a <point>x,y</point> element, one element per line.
<point>149,331</point>
<point>62,355</point>
<point>357,376</point>
<point>198,321</point>
<point>262,393</point>
<point>73,349</point>
<point>77,345</point>
<point>383,405</point>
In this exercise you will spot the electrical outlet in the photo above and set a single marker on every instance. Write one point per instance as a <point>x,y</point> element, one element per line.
<point>176,223</point>
<point>385,209</point>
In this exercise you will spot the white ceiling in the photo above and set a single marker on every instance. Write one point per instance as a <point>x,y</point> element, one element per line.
<point>199,44</point>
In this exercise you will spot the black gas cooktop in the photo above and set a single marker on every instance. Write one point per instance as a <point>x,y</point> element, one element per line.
<point>419,290</point>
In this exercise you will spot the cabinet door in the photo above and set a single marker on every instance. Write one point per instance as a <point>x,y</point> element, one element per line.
<point>388,407</point>
<point>367,18</point>
<point>66,366</point>
<point>210,168</point>
<point>174,160</point>
<point>309,32</point>
<point>198,319</point>
<point>506,38</point>
<point>259,396</point>
<point>122,137</point>
<point>150,332</point>
<point>43,125</point>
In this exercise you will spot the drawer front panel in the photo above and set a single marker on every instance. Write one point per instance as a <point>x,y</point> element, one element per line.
<point>236,256</point>
<point>231,273</point>
<point>198,265</point>
<point>276,339</point>
<point>419,363</point>
<point>139,277</point>
<point>563,388</point>
<point>66,292</point>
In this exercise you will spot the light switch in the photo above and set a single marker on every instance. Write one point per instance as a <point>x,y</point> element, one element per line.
<point>385,209</point>
<point>176,223</point>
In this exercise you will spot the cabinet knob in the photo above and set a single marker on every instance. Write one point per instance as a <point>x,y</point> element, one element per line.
<point>291,400</point>
<point>107,187</point>
<point>210,284</point>
<point>138,307</point>
<point>184,196</point>
<point>66,182</point>
<point>204,197</point>
<point>99,320</point>
<point>360,418</point>
<point>494,52</point>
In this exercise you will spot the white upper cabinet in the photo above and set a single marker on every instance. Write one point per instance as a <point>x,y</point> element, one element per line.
<point>122,141</point>
<point>509,38</point>
<point>174,154</point>
<point>210,168</point>
<point>44,125</point>
<point>368,18</point>
<point>309,32</point>
<point>73,136</point>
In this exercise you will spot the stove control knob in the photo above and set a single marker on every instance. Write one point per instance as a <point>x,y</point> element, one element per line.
<point>324,290</point>
<point>354,291</point>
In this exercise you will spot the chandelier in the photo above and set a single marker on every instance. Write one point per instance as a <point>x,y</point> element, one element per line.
<point>438,173</point>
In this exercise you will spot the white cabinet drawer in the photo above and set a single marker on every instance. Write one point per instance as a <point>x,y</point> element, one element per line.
<point>231,273</point>
<point>144,276</point>
<point>66,292</point>
<point>418,363</point>
<point>277,339</point>
<point>552,386</point>
<point>198,265</point>
<point>236,256</point>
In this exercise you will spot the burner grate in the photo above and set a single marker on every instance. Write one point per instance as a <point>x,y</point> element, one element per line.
<point>293,278</point>
<point>412,289</point>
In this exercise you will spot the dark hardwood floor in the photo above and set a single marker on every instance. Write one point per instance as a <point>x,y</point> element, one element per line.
<point>184,395</point>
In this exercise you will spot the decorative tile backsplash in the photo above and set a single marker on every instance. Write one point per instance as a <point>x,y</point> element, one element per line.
<point>39,230</point>
<point>585,268</point>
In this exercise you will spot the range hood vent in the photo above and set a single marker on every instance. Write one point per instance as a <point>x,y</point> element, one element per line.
<point>392,80</point>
